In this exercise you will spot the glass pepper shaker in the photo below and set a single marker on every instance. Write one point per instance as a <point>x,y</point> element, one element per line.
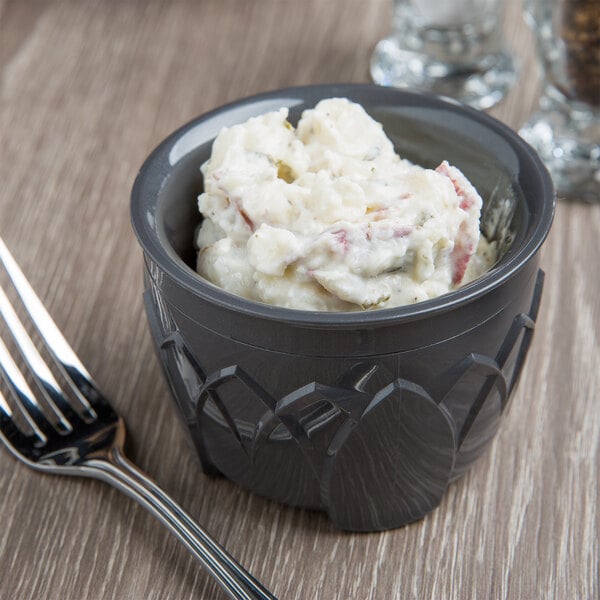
<point>566,129</point>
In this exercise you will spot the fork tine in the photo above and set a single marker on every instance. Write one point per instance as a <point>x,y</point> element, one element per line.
<point>24,397</point>
<point>67,361</point>
<point>43,376</point>
<point>14,439</point>
<point>5,410</point>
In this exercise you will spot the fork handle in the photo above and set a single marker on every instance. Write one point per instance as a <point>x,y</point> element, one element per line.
<point>118,471</point>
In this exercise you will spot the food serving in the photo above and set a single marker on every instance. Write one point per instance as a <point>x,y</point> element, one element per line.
<point>367,415</point>
<point>326,216</point>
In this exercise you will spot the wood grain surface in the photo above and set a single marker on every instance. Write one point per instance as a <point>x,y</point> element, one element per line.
<point>87,89</point>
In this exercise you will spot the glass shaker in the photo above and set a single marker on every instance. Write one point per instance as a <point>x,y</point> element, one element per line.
<point>454,48</point>
<point>566,129</point>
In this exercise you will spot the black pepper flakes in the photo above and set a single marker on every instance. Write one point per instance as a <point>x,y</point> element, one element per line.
<point>580,32</point>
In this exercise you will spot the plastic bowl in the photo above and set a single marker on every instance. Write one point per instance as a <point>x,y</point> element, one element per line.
<point>367,416</point>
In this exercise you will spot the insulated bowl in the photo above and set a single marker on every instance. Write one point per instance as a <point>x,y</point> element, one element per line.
<point>368,416</point>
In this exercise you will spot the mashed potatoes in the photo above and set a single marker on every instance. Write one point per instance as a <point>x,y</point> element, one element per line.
<point>328,217</point>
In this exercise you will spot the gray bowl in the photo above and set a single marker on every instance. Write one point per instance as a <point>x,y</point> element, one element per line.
<point>367,416</point>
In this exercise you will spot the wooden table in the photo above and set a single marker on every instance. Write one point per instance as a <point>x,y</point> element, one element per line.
<point>87,89</point>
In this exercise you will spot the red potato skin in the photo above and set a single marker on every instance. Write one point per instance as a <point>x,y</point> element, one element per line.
<point>464,246</point>
<point>460,257</point>
<point>466,202</point>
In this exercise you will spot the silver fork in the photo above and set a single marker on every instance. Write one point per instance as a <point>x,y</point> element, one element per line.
<point>87,439</point>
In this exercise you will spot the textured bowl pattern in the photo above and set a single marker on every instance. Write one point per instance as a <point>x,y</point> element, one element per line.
<point>369,441</point>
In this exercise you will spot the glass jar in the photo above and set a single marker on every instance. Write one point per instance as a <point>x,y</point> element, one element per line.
<point>451,48</point>
<point>566,128</point>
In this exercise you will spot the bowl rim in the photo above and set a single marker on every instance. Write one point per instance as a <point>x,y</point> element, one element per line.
<point>156,169</point>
